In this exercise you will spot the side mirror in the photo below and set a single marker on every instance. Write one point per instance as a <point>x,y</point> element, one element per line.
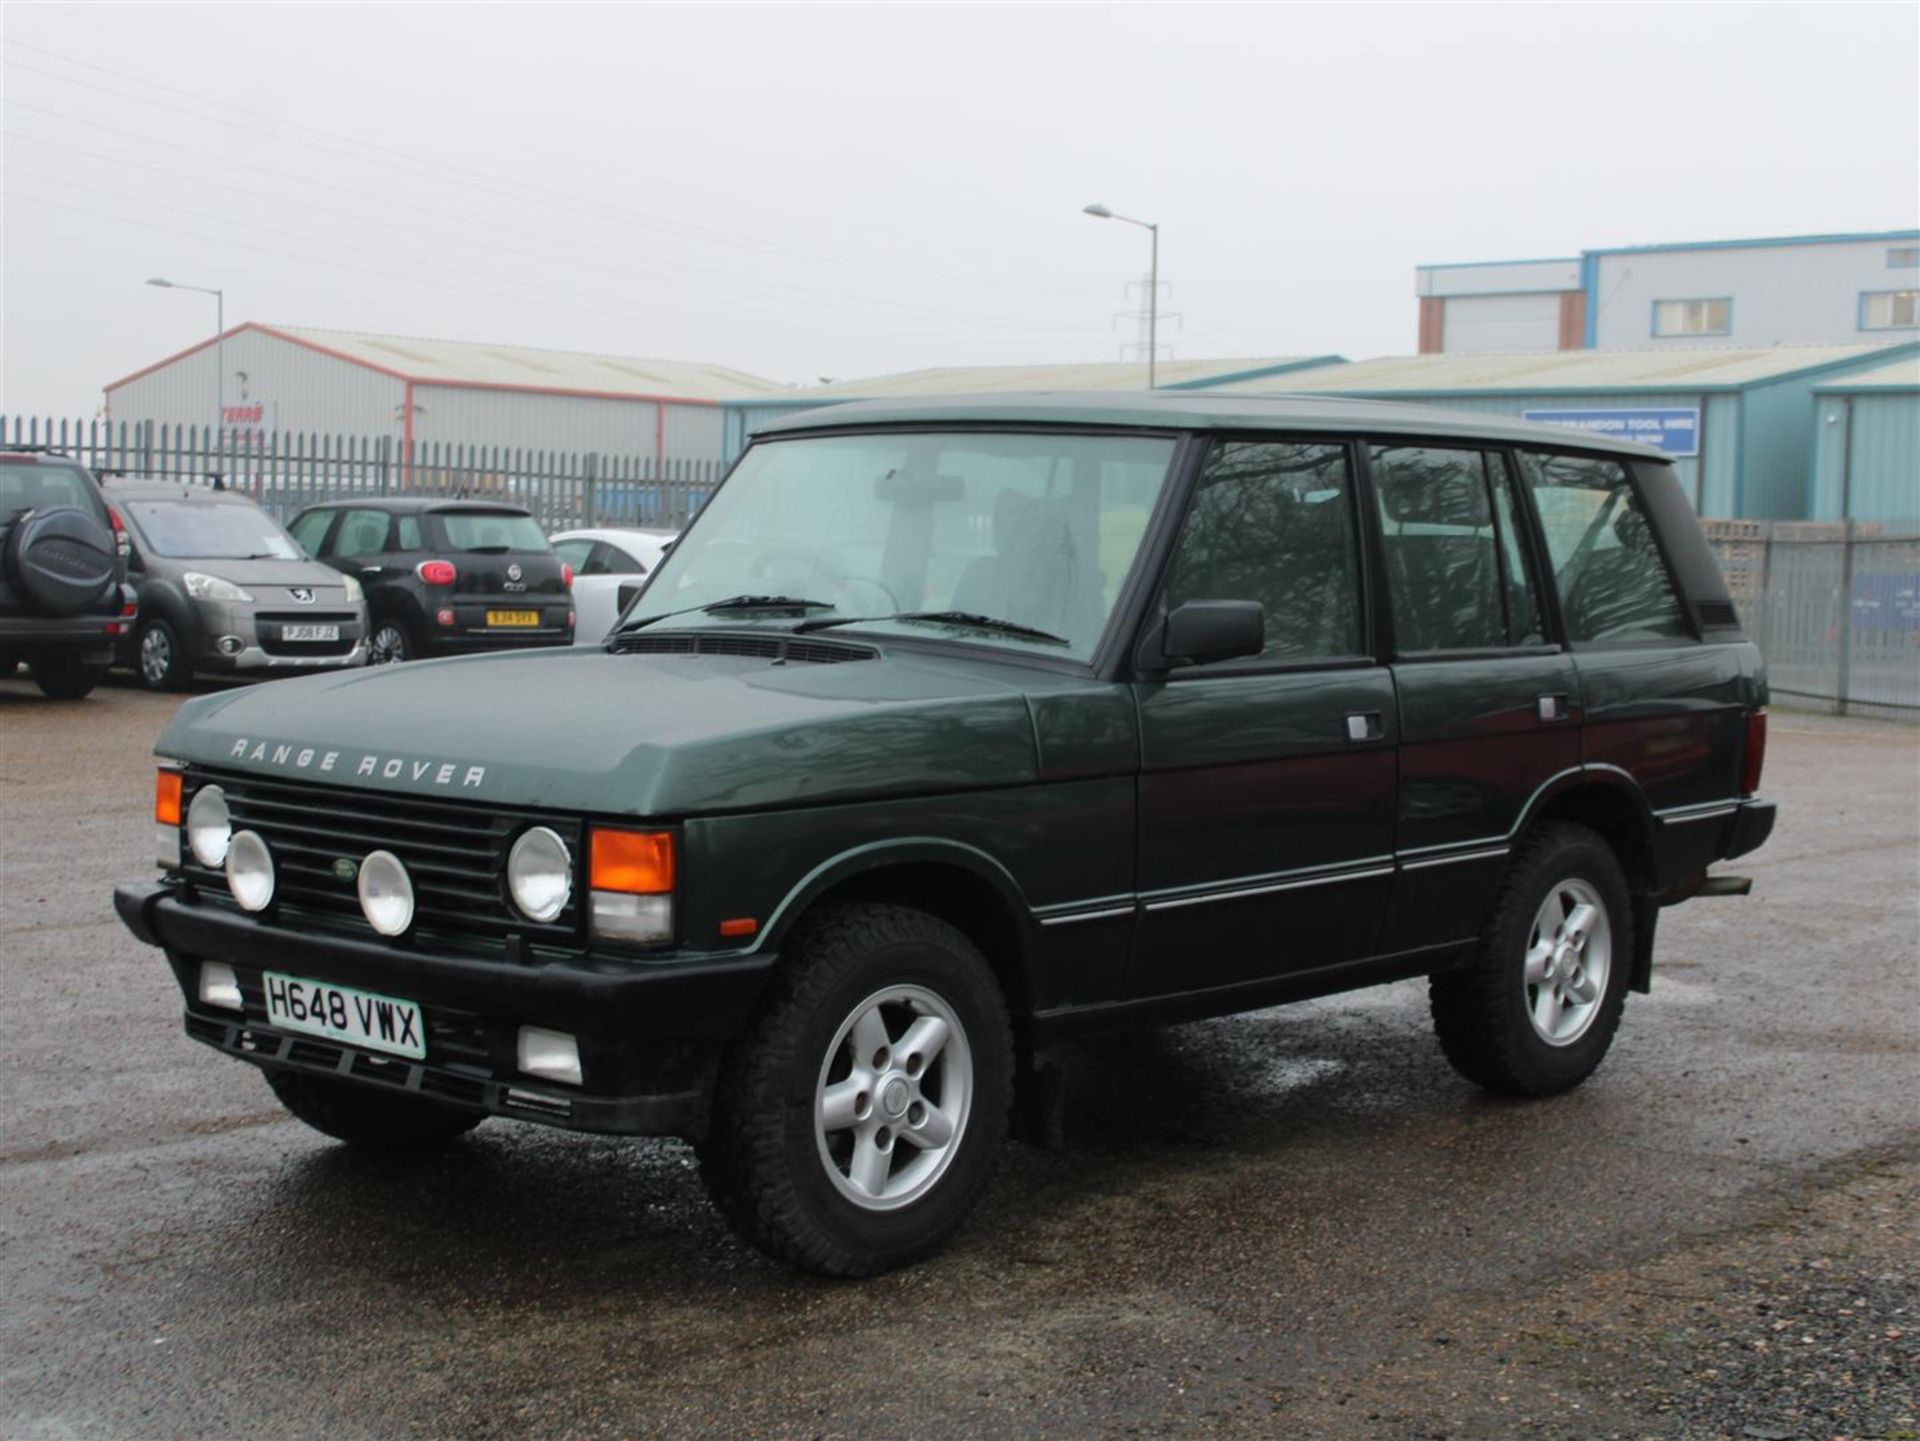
<point>1203,631</point>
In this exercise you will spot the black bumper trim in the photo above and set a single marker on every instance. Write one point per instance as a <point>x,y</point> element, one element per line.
<point>678,1113</point>
<point>1749,829</point>
<point>668,999</point>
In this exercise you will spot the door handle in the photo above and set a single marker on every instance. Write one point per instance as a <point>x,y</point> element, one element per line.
<point>1554,708</point>
<point>373,570</point>
<point>1365,726</point>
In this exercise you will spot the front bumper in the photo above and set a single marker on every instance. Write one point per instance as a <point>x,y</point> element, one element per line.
<point>241,636</point>
<point>649,1030</point>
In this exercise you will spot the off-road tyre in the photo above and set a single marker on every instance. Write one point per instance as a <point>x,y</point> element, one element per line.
<point>369,1119</point>
<point>65,677</point>
<point>160,658</point>
<point>1480,1010</point>
<point>761,1160</point>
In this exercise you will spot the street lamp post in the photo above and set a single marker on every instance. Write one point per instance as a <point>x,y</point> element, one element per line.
<point>219,349</point>
<point>1100,212</point>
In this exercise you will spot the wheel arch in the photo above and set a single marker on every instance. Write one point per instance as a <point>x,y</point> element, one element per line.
<point>1609,801</point>
<point>958,883</point>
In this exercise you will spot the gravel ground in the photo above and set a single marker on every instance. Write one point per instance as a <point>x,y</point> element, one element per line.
<point>1292,1223</point>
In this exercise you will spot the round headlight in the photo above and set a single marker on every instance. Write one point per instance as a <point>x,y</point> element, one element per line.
<point>250,871</point>
<point>540,874</point>
<point>386,893</point>
<point>209,827</point>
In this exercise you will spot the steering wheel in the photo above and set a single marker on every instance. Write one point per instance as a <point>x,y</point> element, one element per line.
<point>817,564</point>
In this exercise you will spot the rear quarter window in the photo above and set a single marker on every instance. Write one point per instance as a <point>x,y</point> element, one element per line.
<point>1607,567</point>
<point>45,487</point>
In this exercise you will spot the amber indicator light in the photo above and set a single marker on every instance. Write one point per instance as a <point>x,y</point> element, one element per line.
<point>166,798</point>
<point>637,863</point>
<point>739,926</point>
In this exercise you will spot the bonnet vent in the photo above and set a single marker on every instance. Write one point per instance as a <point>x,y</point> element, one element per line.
<point>773,648</point>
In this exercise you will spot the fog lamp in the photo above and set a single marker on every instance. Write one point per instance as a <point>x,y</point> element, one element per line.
<point>551,1055</point>
<point>386,893</point>
<point>540,874</point>
<point>250,871</point>
<point>209,827</point>
<point>219,986</point>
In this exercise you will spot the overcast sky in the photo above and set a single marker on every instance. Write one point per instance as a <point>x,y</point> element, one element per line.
<point>807,191</point>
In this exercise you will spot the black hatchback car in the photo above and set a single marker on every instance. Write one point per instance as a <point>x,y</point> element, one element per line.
<point>444,577</point>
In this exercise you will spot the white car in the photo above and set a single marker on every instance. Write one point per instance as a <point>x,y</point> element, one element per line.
<point>606,563</point>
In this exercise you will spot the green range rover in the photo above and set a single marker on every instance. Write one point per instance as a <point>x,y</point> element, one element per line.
<point>953,729</point>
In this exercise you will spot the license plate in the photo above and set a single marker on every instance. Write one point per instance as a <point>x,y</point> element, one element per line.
<point>309,632</point>
<point>513,617</point>
<point>340,1013</point>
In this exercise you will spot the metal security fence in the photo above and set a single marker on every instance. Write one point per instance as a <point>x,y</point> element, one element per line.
<point>1833,605</point>
<point>285,470</point>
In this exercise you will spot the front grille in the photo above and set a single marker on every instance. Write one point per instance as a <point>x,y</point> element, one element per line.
<point>774,648</point>
<point>456,854</point>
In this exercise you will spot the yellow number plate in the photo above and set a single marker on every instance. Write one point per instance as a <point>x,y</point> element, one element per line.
<point>513,617</point>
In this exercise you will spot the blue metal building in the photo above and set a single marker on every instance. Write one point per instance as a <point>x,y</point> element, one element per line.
<point>1736,421</point>
<point>1867,444</point>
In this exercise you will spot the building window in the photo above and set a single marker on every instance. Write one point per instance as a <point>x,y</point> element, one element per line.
<point>1890,310</point>
<point>1903,257</point>
<point>1693,317</point>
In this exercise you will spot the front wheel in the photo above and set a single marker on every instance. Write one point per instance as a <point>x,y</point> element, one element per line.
<point>858,1121</point>
<point>390,644</point>
<point>1535,1010</point>
<point>163,660</point>
<point>366,1118</point>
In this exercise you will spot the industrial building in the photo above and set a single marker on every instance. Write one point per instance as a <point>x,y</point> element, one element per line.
<point>743,417</point>
<point>292,379</point>
<point>1737,422</point>
<point>1867,444</point>
<point>1775,290</point>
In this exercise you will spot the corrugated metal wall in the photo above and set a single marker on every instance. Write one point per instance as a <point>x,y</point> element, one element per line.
<point>1867,445</point>
<point>308,391</point>
<point>681,432</point>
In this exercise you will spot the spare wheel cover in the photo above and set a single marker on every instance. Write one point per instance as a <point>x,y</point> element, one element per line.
<point>63,559</point>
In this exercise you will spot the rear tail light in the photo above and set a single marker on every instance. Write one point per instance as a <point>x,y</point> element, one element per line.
<point>566,575</point>
<point>435,572</point>
<point>120,541</point>
<point>1755,756</point>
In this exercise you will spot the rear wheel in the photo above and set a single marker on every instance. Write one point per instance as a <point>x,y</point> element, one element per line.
<point>390,644</point>
<point>1536,1009</point>
<point>857,1123</point>
<point>161,658</point>
<point>369,1119</point>
<point>65,677</point>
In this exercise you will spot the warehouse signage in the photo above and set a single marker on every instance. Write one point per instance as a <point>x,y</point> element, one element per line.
<point>247,422</point>
<point>1676,431</point>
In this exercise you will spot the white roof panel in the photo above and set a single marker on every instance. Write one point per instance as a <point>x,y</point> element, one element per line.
<point>1901,375</point>
<point>1086,375</point>
<point>524,367</point>
<point>1684,369</point>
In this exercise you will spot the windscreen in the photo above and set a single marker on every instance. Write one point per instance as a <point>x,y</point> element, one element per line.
<point>211,530</point>
<point>43,487</point>
<point>1038,531</point>
<point>491,530</point>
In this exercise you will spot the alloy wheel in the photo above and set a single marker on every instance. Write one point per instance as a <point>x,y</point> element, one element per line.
<point>1569,959</point>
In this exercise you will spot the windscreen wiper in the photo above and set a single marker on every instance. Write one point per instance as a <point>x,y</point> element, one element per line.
<point>730,604</point>
<point>966,618</point>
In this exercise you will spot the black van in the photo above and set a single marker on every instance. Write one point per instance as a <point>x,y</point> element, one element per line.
<point>444,577</point>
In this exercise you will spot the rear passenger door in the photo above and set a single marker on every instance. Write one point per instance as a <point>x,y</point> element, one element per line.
<point>1488,703</point>
<point>1266,786</point>
<point>1660,704</point>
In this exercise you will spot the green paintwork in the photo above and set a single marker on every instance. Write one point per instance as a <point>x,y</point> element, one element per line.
<point>1197,410</point>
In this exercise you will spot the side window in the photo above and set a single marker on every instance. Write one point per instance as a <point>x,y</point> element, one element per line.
<point>362,532</point>
<point>311,528</point>
<point>407,535</point>
<point>1275,523</point>
<point>1456,568</point>
<point>1606,566</point>
<point>575,554</point>
<point>614,561</point>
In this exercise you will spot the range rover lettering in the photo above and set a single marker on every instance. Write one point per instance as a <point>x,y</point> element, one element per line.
<point>951,730</point>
